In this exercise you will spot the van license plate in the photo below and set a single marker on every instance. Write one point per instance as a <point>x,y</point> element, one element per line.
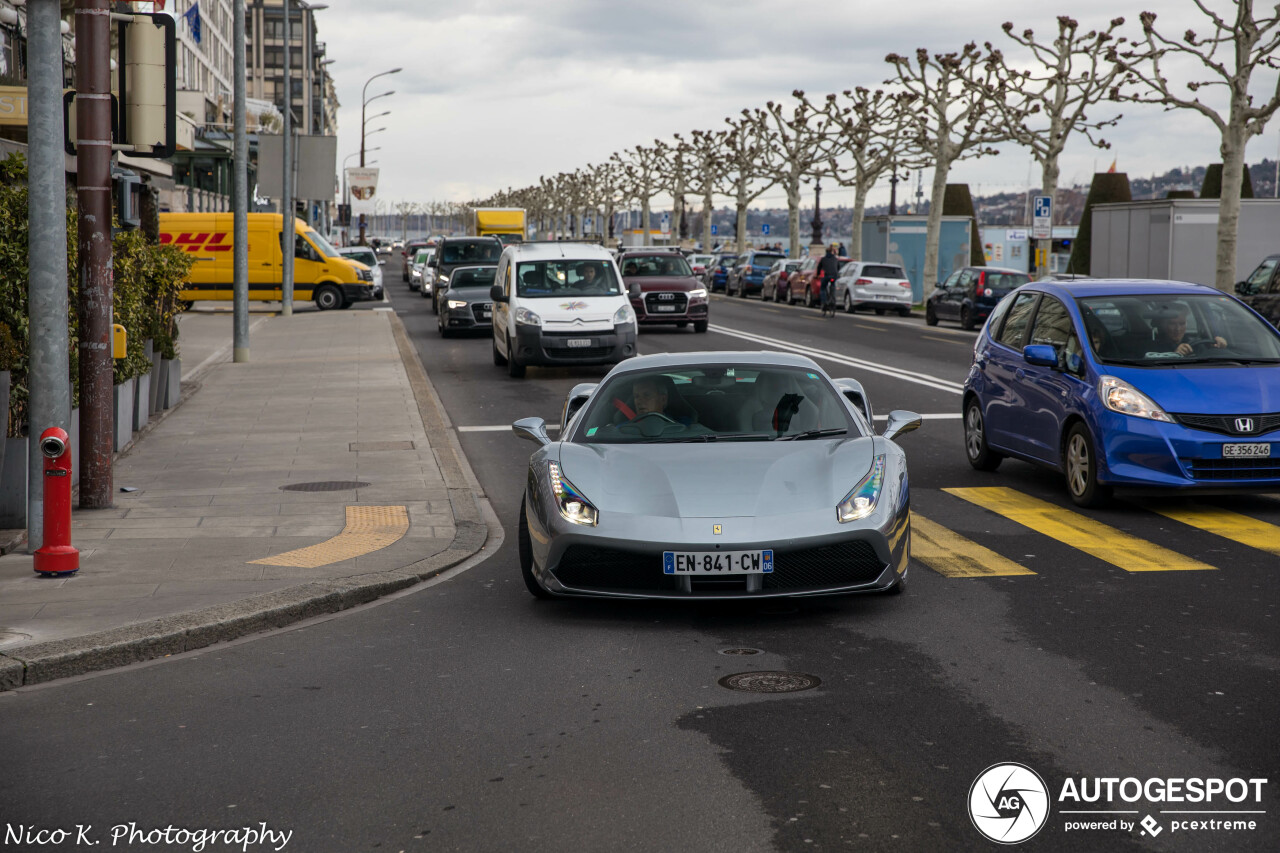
<point>1246,451</point>
<point>578,342</point>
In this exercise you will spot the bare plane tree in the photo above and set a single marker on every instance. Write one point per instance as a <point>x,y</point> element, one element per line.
<point>1240,45</point>
<point>640,174</point>
<point>1048,103</point>
<point>950,119</point>
<point>674,168</point>
<point>709,174</point>
<point>746,157</point>
<point>870,133</point>
<point>799,136</point>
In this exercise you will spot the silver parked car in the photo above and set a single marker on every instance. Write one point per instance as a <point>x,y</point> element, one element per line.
<point>367,256</point>
<point>715,475</point>
<point>866,284</point>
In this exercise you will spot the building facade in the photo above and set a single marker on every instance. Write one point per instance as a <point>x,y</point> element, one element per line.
<point>314,102</point>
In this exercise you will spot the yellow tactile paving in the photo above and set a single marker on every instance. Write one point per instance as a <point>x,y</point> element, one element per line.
<point>369,528</point>
<point>1071,528</point>
<point>1223,522</point>
<point>950,554</point>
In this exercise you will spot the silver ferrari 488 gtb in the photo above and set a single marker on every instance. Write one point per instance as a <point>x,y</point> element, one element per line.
<point>716,475</point>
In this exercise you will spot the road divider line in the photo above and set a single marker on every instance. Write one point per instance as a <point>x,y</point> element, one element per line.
<point>952,555</point>
<point>1107,543</point>
<point>894,372</point>
<point>1222,522</point>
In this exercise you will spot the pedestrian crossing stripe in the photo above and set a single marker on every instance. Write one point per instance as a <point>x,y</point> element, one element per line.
<point>1223,522</point>
<point>952,555</point>
<point>1107,543</point>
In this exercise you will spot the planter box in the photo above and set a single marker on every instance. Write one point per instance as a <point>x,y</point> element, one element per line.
<point>172,382</point>
<point>122,423</point>
<point>142,402</point>
<point>13,484</point>
<point>157,382</point>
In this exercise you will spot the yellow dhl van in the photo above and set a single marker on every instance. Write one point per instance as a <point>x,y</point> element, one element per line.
<point>319,272</point>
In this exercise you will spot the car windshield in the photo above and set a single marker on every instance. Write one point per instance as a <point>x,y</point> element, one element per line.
<point>567,278</point>
<point>655,265</point>
<point>723,402</point>
<point>323,245</point>
<point>1171,329</point>
<point>364,256</point>
<point>700,260</point>
<point>473,277</point>
<point>760,260</point>
<point>1001,280</point>
<point>471,251</point>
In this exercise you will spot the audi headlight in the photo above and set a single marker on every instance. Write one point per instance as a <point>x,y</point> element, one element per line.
<point>457,303</point>
<point>624,315</point>
<point>700,293</point>
<point>1119,396</point>
<point>525,317</point>
<point>573,506</point>
<point>861,502</point>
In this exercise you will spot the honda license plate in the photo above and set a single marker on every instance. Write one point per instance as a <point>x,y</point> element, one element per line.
<point>578,342</point>
<point>716,562</point>
<point>1246,451</point>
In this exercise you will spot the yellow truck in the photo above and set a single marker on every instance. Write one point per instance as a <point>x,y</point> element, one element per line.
<point>505,223</point>
<point>320,274</point>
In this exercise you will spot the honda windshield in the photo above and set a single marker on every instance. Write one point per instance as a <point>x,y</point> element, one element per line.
<point>1163,329</point>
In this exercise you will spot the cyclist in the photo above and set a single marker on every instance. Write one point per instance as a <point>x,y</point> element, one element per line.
<point>828,269</point>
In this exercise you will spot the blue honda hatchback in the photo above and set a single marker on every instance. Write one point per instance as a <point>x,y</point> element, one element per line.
<point>1134,384</point>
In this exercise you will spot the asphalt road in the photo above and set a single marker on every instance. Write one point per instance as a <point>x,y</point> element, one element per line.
<point>468,716</point>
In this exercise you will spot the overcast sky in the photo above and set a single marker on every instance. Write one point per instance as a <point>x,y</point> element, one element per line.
<point>495,93</point>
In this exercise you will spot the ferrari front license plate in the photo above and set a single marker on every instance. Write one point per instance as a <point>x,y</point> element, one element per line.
<point>716,562</point>
<point>1246,451</point>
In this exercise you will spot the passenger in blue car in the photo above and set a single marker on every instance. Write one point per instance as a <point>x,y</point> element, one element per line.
<point>1170,327</point>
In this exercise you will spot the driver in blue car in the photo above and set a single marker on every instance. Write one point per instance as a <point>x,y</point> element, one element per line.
<point>1171,331</point>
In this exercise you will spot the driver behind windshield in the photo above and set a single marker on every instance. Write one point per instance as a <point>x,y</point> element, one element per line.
<point>1170,327</point>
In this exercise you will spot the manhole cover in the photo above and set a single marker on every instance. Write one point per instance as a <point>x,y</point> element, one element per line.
<point>739,651</point>
<point>324,486</point>
<point>769,682</point>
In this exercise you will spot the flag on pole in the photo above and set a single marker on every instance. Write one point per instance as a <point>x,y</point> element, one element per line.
<point>1112,170</point>
<point>193,21</point>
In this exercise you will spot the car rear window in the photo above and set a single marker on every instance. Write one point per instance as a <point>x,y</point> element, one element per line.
<point>471,251</point>
<point>1005,280</point>
<point>473,277</point>
<point>881,271</point>
<point>764,260</point>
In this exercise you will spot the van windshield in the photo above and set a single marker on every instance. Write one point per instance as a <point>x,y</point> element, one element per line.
<point>321,244</point>
<point>566,278</point>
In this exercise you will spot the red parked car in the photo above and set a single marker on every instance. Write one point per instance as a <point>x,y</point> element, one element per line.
<point>775,283</point>
<point>803,284</point>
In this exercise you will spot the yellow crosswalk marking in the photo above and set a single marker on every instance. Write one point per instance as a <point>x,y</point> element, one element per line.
<point>1223,522</point>
<point>1071,528</point>
<point>368,529</point>
<point>950,554</point>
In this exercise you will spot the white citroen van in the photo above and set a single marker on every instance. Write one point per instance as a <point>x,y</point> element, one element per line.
<point>560,303</point>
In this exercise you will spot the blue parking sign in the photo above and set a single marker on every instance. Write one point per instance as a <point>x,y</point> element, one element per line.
<point>1044,207</point>
<point>765,229</point>
<point>713,229</point>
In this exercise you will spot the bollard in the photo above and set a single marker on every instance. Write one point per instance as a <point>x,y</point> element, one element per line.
<point>56,557</point>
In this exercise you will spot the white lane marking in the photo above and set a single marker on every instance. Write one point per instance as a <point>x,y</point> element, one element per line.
<point>505,428</point>
<point>871,318</point>
<point>895,372</point>
<point>939,416</point>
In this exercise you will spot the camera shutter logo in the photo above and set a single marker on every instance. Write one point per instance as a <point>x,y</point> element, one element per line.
<point>1008,803</point>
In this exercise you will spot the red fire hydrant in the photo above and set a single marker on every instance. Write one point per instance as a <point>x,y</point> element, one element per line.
<point>56,557</point>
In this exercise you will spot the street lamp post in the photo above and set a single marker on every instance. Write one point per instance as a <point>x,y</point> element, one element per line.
<point>817,212</point>
<point>364,103</point>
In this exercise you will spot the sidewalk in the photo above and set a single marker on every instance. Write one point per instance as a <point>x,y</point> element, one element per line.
<point>215,542</point>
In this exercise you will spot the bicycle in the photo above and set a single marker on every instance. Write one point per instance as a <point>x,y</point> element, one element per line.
<point>828,304</point>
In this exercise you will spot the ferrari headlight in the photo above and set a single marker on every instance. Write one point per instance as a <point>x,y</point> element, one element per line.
<point>1119,396</point>
<point>573,506</point>
<point>525,317</point>
<point>457,303</point>
<point>623,315</point>
<point>861,502</point>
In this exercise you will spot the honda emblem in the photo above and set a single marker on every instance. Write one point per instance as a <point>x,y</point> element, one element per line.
<point>1244,424</point>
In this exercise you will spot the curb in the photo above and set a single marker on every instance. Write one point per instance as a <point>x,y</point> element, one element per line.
<point>43,662</point>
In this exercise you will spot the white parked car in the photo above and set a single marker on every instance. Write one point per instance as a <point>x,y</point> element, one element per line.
<point>559,304</point>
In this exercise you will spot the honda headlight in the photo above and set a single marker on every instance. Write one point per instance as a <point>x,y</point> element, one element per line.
<point>525,317</point>
<point>861,502</point>
<point>457,303</point>
<point>1119,396</point>
<point>624,315</point>
<point>700,293</point>
<point>573,506</point>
